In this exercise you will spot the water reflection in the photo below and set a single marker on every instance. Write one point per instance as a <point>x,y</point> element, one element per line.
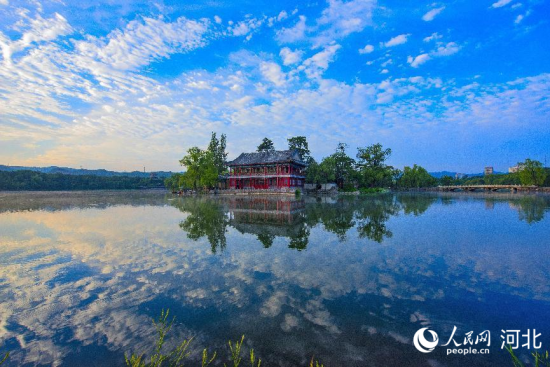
<point>206,219</point>
<point>80,280</point>
<point>268,217</point>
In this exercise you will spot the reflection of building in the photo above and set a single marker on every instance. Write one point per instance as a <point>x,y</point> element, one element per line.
<point>266,170</point>
<point>488,171</point>
<point>270,210</point>
<point>515,168</point>
<point>268,217</point>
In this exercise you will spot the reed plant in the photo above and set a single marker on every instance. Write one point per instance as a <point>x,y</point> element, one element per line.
<point>178,355</point>
<point>5,358</point>
<point>539,359</point>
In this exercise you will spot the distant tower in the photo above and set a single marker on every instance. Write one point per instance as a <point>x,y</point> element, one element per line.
<point>488,171</point>
<point>143,169</point>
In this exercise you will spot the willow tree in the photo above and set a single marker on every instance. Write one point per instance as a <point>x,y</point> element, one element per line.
<point>531,173</point>
<point>201,168</point>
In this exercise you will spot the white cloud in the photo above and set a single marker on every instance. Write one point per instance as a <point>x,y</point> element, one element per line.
<point>217,19</point>
<point>290,57</point>
<point>282,16</point>
<point>338,20</point>
<point>4,2</point>
<point>521,17</point>
<point>501,3</point>
<point>315,66</point>
<point>366,50</point>
<point>418,60</point>
<point>343,18</point>
<point>241,29</point>
<point>246,27</point>
<point>143,41</point>
<point>442,50</point>
<point>272,72</point>
<point>39,30</point>
<point>446,50</point>
<point>430,15</point>
<point>397,40</point>
<point>434,36</point>
<point>294,34</point>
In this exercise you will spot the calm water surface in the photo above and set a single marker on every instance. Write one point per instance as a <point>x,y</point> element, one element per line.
<point>349,280</point>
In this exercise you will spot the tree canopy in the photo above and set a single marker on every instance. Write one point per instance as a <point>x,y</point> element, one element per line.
<point>201,168</point>
<point>266,145</point>
<point>217,148</point>
<point>416,177</point>
<point>32,180</point>
<point>373,171</point>
<point>531,173</point>
<point>300,144</point>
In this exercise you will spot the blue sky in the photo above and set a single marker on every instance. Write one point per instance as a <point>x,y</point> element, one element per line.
<point>121,85</point>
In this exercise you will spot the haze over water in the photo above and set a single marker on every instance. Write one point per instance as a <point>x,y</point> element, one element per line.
<point>348,280</point>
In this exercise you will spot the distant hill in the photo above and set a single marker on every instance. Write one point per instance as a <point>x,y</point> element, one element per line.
<point>452,174</point>
<point>81,171</point>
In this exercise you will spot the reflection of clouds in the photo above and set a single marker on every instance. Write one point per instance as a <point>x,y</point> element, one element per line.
<point>273,305</point>
<point>290,322</point>
<point>85,273</point>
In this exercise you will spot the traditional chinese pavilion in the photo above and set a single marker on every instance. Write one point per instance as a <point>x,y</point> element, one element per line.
<point>267,170</point>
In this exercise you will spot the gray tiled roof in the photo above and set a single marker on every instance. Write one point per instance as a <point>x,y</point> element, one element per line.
<point>275,156</point>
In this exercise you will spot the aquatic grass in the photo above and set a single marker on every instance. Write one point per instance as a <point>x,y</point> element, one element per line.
<point>253,359</point>
<point>177,356</point>
<point>173,359</point>
<point>5,358</point>
<point>236,352</point>
<point>311,363</point>
<point>206,360</point>
<point>541,360</point>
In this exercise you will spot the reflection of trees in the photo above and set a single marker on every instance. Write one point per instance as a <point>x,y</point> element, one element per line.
<point>272,217</point>
<point>336,217</point>
<point>531,208</point>
<point>206,219</point>
<point>301,239</point>
<point>416,204</point>
<point>372,215</point>
<point>266,239</point>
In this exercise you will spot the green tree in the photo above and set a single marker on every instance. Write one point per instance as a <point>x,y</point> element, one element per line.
<point>337,167</point>
<point>300,144</point>
<point>373,171</point>
<point>416,177</point>
<point>313,172</point>
<point>266,146</point>
<point>201,168</point>
<point>532,173</point>
<point>174,182</point>
<point>217,148</point>
<point>446,180</point>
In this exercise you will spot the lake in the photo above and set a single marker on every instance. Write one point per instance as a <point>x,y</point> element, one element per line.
<point>347,280</point>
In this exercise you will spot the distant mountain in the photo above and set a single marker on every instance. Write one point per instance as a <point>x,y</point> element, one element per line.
<point>452,174</point>
<point>80,171</point>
